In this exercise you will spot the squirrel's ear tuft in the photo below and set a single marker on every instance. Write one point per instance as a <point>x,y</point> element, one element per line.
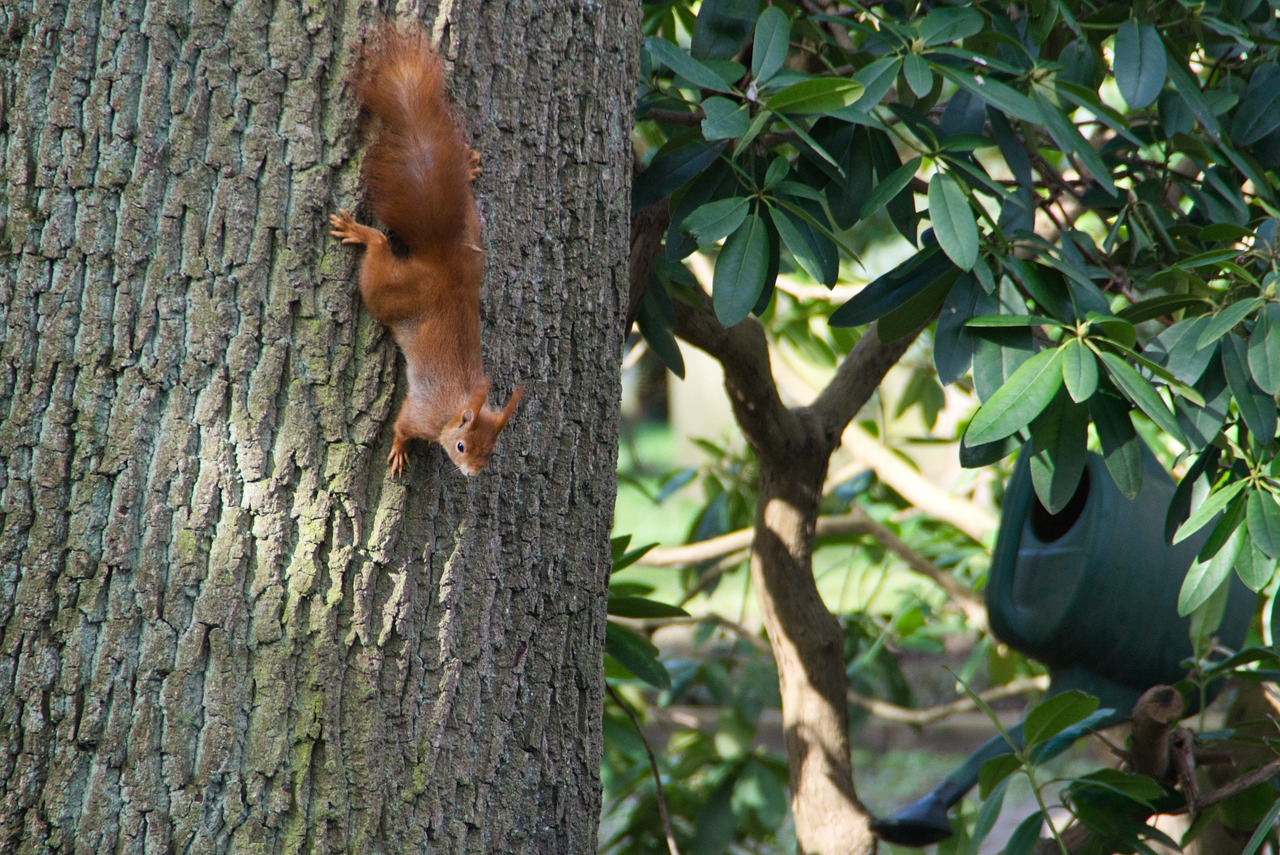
<point>466,417</point>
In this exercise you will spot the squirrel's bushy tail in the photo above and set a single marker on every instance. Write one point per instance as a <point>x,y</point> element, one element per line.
<point>417,170</point>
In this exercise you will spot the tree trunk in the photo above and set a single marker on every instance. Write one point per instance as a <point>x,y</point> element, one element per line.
<point>223,626</point>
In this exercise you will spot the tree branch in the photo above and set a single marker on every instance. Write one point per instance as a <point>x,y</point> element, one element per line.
<point>857,522</point>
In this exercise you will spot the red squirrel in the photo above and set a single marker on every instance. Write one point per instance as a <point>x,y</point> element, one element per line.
<point>417,176</point>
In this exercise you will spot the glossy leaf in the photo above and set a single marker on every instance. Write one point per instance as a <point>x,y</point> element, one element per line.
<point>953,220</point>
<point>1140,67</point>
<point>772,43</point>
<point>893,289</point>
<point>819,95</point>
<point>1022,397</point>
<point>741,271</point>
<point>1208,510</point>
<point>673,167</point>
<point>1003,97</point>
<point>1223,321</point>
<point>722,27</point>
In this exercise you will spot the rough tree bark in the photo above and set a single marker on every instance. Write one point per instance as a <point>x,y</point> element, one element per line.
<point>222,626</point>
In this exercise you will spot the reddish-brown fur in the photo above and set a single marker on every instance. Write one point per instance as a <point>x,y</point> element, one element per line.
<point>417,175</point>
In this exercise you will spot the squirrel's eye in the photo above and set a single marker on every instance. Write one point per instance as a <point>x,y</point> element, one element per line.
<point>462,448</point>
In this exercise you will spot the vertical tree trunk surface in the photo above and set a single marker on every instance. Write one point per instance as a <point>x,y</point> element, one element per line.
<point>223,627</point>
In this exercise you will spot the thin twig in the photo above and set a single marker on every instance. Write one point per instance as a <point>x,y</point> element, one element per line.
<point>653,767</point>
<point>938,712</point>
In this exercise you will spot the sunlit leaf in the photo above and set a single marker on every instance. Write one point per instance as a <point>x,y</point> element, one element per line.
<point>1022,397</point>
<point>819,95</point>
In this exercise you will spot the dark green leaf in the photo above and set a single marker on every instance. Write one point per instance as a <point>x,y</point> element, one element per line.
<point>999,95</point>
<point>1138,390</point>
<point>890,186</point>
<point>877,79</point>
<point>772,42</point>
<point>995,772</point>
<point>725,119</point>
<point>800,241</point>
<point>1069,139</point>
<point>684,65</point>
<point>1256,408</point>
<point>636,654</point>
<point>917,74</point>
<point>1121,448</point>
<point>819,95</point>
<point>1022,397</point>
<point>716,220</point>
<point>953,220</point>
<point>1058,451</point>
<point>1259,112</point>
<point>658,329</point>
<point>918,310</point>
<point>1055,714</point>
<point>1139,63</point>
<point>1264,349</point>
<point>998,321</point>
<point>673,167</point>
<point>1264,521</point>
<point>950,24</point>
<point>741,271</point>
<point>893,289</point>
<point>953,344</point>
<point>722,27</point>
<point>993,801</point>
<point>1026,836</point>
<point>1158,307</point>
